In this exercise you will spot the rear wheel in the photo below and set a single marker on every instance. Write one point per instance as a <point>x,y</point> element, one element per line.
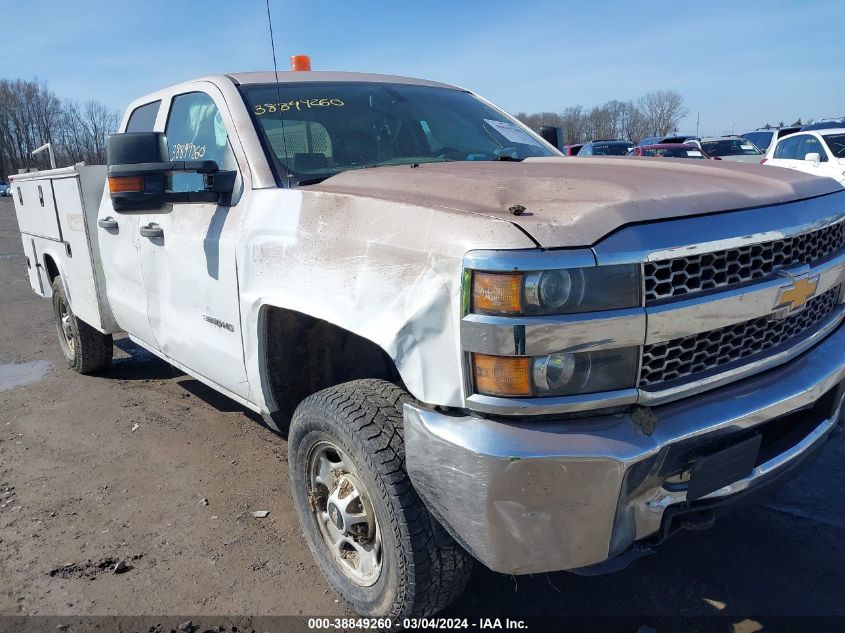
<point>369,532</point>
<point>85,349</point>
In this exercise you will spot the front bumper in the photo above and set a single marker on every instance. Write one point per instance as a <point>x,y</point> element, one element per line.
<point>528,497</point>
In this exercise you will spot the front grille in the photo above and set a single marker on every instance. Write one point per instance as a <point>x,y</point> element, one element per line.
<point>671,278</point>
<point>691,355</point>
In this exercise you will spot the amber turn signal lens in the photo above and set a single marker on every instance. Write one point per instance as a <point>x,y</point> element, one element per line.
<point>125,184</point>
<point>502,375</point>
<point>496,292</point>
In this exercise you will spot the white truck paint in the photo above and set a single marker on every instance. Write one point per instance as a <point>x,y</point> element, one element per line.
<point>350,301</point>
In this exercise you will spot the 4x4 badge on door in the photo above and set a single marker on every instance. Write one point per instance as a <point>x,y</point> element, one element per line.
<point>219,323</point>
<point>793,297</point>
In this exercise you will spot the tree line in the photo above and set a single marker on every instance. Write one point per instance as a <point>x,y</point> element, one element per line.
<point>32,115</point>
<point>654,114</point>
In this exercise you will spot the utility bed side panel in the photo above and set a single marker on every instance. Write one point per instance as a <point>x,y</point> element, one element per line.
<point>63,232</point>
<point>36,207</point>
<point>82,270</point>
<point>34,269</point>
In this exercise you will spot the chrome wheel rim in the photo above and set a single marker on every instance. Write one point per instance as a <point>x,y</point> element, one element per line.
<point>64,321</point>
<point>344,514</point>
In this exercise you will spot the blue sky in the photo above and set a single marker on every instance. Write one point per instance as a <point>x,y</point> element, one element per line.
<point>739,63</point>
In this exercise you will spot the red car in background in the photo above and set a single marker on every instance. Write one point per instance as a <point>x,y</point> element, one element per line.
<point>669,150</point>
<point>571,150</point>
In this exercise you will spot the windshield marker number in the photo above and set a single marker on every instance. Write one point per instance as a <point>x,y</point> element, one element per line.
<point>299,104</point>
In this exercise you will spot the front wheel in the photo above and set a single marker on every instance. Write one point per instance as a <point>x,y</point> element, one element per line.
<point>85,349</point>
<point>370,534</point>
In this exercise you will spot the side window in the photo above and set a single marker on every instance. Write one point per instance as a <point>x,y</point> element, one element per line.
<point>788,149</point>
<point>811,145</point>
<point>195,131</point>
<point>143,118</point>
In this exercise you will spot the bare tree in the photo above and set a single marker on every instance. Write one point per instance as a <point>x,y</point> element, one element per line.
<point>574,124</point>
<point>31,115</point>
<point>663,111</point>
<point>601,123</point>
<point>655,113</point>
<point>635,125</point>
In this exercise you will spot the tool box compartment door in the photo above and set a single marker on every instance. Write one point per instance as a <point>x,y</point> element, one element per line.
<point>35,205</point>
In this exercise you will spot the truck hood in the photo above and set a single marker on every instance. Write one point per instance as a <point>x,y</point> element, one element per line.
<point>578,201</point>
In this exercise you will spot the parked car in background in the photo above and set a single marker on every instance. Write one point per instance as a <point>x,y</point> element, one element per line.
<point>679,138</point>
<point>572,150</point>
<point>5,190</point>
<point>660,140</point>
<point>606,147</point>
<point>825,124</point>
<point>763,138</point>
<point>668,150</point>
<point>735,148</point>
<point>555,136</point>
<point>821,153</point>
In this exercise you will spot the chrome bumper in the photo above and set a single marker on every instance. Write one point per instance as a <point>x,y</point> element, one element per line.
<point>528,497</point>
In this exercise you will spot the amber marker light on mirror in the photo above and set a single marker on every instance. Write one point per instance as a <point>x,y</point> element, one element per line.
<point>126,184</point>
<point>502,375</point>
<point>496,293</point>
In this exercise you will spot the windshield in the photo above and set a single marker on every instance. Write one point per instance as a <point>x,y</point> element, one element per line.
<point>315,130</point>
<point>674,152</point>
<point>836,144</point>
<point>761,139</point>
<point>730,147</point>
<point>611,149</point>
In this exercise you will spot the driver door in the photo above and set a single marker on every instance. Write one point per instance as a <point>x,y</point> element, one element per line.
<point>120,243</point>
<point>188,254</point>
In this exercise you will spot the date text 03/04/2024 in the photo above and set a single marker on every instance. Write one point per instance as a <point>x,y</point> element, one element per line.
<point>325,624</point>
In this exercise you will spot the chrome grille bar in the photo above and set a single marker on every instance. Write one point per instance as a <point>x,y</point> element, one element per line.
<point>682,276</point>
<point>684,358</point>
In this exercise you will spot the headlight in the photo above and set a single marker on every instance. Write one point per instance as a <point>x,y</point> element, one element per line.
<point>562,374</point>
<point>563,291</point>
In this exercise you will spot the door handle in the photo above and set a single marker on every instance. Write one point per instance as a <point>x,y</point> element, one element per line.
<point>107,223</point>
<point>152,230</point>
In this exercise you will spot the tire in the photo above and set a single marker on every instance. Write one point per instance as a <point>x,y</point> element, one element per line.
<point>421,569</point>
<point>86,350</point>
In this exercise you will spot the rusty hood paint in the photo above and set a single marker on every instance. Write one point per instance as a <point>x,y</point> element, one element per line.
<point>578,201</point>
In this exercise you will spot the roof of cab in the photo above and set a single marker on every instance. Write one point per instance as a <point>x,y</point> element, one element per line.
<point>287,76</point>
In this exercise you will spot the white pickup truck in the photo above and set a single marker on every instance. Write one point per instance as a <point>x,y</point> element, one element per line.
<point>477,349</point>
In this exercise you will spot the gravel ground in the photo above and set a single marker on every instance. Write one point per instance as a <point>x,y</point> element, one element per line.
<point>147,466</point>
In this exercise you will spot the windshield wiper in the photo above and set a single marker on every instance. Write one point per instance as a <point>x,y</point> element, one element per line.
<point>312,181</point>
<point>387,163</point>
<point>511,158</point>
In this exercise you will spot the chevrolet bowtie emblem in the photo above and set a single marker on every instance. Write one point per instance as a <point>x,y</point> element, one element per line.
<point>794,296</point>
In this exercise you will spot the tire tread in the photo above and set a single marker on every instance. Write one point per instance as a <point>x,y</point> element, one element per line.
<point>439,568</point>
<point>94,350</point>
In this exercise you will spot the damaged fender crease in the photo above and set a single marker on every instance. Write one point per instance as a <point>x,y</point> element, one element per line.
<point>399,287</point>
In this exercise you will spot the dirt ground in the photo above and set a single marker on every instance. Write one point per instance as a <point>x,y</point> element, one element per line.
<point>147,466</point>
